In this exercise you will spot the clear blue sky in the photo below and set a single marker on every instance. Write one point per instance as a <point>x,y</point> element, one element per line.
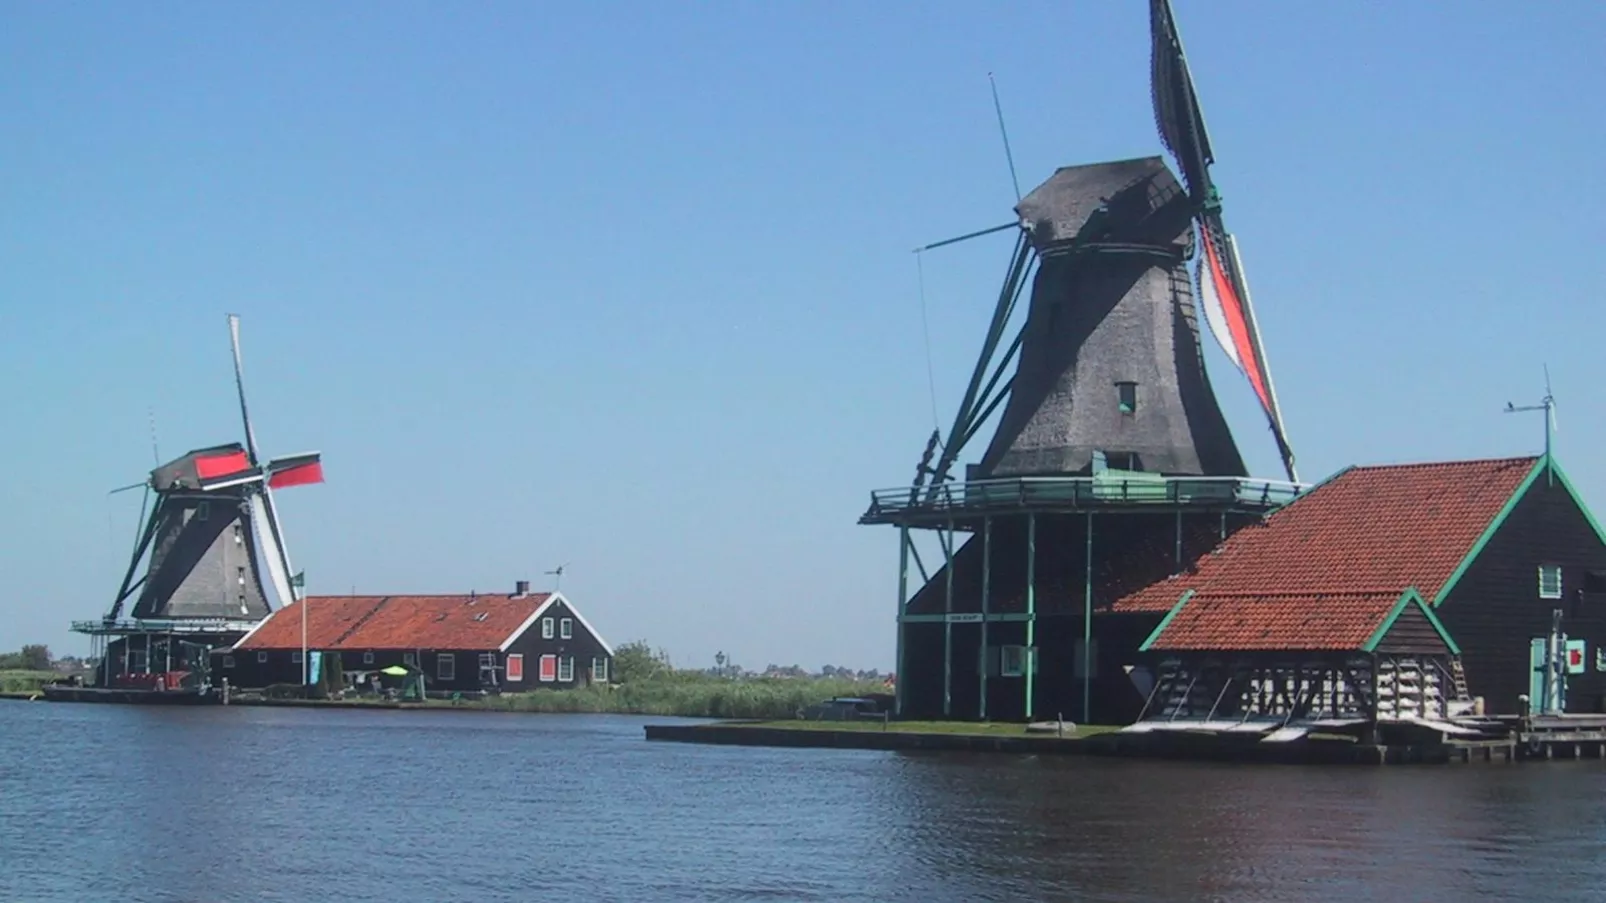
<point>628,285</point>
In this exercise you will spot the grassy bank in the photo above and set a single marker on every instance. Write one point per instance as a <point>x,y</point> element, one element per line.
<point>14,682</point>
<point>686,696</point>
<point>933,727</point>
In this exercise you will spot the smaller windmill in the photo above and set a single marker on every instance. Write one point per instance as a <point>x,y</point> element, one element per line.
<point>212,520</point>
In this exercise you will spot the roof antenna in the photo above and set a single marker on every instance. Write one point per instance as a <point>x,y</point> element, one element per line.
<point>558,572</point>
<point>1548,405</point>
<point>1008,155</point>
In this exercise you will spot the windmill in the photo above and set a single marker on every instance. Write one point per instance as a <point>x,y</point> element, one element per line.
<point>212,521</point>
<point>1110,369</point>
<point>1111,464</point>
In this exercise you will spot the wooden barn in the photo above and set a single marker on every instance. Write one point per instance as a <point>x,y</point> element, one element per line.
<point>1390,591</point>
<point>461,643</point>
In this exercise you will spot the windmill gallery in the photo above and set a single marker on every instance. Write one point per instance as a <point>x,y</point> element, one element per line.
<point>1107,557</point>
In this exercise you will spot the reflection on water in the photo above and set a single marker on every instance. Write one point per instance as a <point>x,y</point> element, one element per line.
<point>224,804</point>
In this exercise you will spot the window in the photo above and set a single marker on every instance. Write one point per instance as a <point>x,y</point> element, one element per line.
<point>137,660</point>
<point>203,511</point>
<point>228,661</point>
<point>408,658</point>
<point>239,537</point>
<point>515,667</point>
<point>565,669</point>
<point>566,628</point>
<point>367,658</point>
<point>1550,581</point>
<point>481,616</point>
<point>295,657</point>
<point>239,575</point>
<point>1013,661</point>
<point>487,660</point>
<point>262,658</point>
<point>445,666</point>
<point>599,669</point>
<point>546,628</point>
<point>549,668</point>
<point>1126,396</point>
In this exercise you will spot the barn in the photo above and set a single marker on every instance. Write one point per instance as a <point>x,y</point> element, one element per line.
<point>1456,580</point>
<point>464,643</point>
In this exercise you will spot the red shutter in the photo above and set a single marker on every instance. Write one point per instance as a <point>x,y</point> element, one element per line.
<point>549,667</point>
<point>515,667</point>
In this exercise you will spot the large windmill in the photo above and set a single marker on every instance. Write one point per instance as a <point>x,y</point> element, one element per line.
<point>212,522</point>
<point>1103,407</point>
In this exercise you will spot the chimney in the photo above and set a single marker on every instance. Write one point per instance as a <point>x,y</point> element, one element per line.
<point>521,589</point>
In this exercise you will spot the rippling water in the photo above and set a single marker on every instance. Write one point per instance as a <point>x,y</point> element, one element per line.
<point>231,804</point>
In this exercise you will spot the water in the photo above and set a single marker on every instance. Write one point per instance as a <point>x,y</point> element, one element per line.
<point>231,804</point>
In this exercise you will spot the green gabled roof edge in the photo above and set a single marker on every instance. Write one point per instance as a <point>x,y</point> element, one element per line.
<point>1540,464</point>
<point>1165,621</point>
<point>1406,600</point>
<point>1578,500</point>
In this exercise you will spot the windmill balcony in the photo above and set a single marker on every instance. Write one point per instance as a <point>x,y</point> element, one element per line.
<point>962,503</point>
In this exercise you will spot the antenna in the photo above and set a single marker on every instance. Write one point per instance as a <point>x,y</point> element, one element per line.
<point>1548,405</point>
<point>558,572</point>
<point>156,456</point>
<point>1008,155</point>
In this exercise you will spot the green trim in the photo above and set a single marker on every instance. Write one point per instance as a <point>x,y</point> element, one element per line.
<point>1165,621</point>
<point>1540,465</point>
<point>960,617</point>
<point>1405,601</point>
<point>1578,500</point>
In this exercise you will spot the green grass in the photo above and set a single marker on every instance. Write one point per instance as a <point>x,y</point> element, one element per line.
<point>691,696</point>
<point>24,681</point>
<point>987,729</point>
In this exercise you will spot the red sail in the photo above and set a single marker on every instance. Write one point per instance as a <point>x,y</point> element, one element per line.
<point>299,475</point>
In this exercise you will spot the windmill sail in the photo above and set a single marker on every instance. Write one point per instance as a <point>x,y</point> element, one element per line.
<point>1222,289</point>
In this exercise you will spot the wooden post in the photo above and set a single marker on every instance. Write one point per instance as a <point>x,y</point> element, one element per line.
<point>948,628</point>
<point>1031,609</point>
<point>986,592</point>
<point>902,677</point>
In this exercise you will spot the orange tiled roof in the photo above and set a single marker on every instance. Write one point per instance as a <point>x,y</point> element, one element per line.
<point>397,622</point>
<point>1377,529</point>
<point>1314,622</point>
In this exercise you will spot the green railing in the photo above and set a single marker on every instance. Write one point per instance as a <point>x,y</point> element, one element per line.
<point>1082,492</point>
<point>127,626</point>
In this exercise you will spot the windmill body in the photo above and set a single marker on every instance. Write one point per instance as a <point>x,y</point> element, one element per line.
<point>194,579</point>
<point>1110,464</point>
<point>1110,360</point>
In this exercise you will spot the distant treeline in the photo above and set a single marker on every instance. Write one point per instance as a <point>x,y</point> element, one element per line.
<point>28,658</point>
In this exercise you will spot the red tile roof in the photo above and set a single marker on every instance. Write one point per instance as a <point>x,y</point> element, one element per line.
<point>1312,622</point>
<point>469,622</point>
<point>1379,529</point>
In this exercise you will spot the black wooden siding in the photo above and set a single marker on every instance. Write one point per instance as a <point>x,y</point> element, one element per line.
<point>1412,634</point>
<point>1495,610</point>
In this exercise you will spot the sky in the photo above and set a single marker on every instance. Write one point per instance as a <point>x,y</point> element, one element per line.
<point>628,286</point>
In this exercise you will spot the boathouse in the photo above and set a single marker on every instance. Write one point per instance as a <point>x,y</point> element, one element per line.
<point>1390,591</point>
<point>461,643</point>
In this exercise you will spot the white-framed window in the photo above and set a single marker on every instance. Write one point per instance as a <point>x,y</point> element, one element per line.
<point>599,668</point>
<point>546,628</point>
<point>565,669</point>
<point>1550,581</point>
<point>228,661</point>
<point>262,658</point>
<point>367,658</point>
<point>295,657</point>
<point>566,628</point>
<point>515,666</point>
<point>445,666</point>
<point>487,660</point>
<point>549,668</point>
<point>408,658</point>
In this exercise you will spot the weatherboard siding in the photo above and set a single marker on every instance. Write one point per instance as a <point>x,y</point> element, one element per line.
<point>1412,634</point>
<point>1495,609</point>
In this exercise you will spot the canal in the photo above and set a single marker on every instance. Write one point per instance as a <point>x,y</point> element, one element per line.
<point>234,804</point>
